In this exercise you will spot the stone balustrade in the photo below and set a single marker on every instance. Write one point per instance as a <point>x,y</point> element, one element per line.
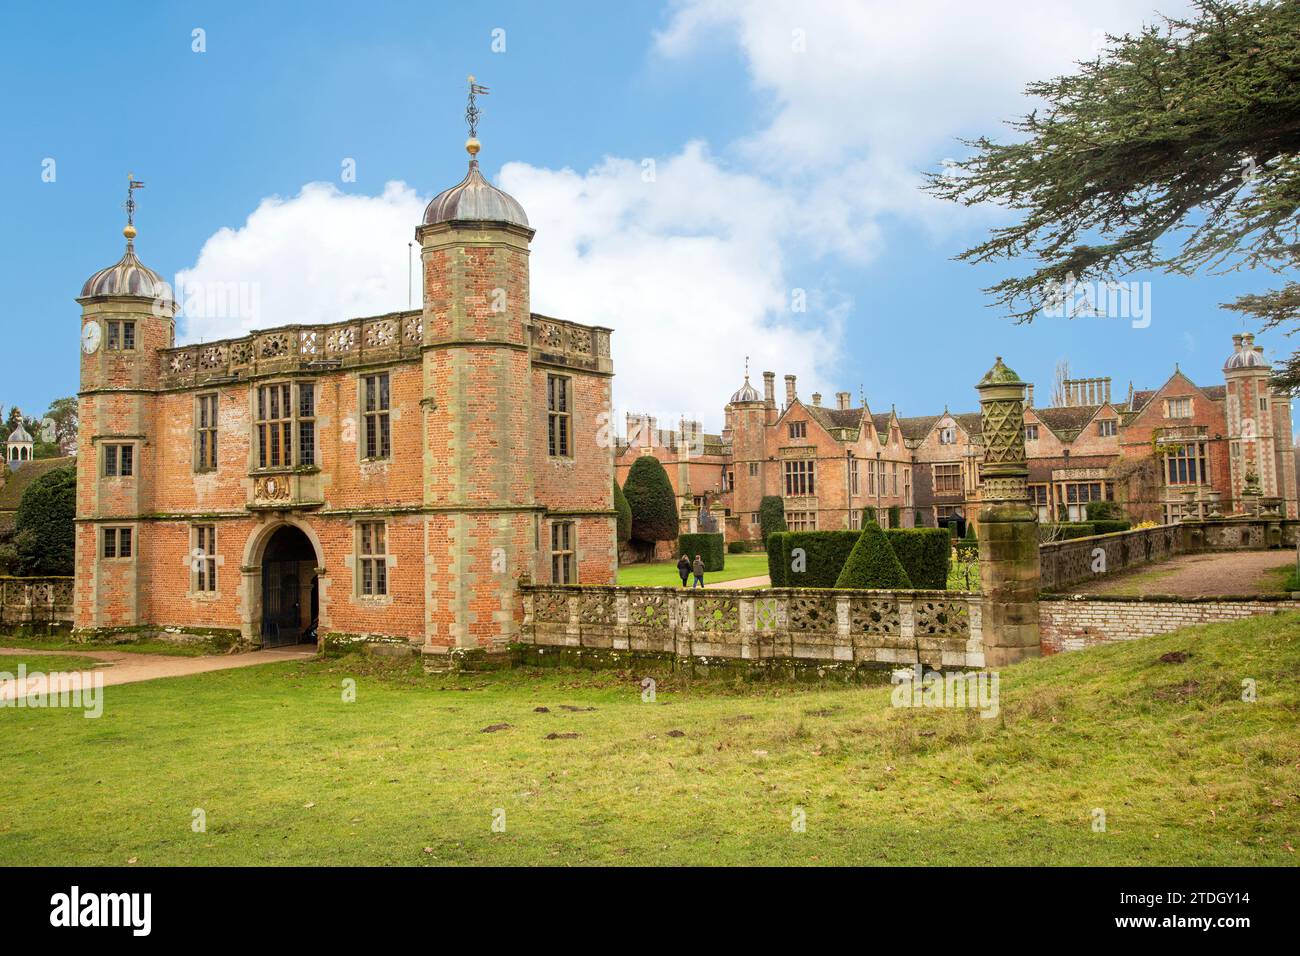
<point>754,629</point>
<point>35,601</point>
<point>1065,563</point>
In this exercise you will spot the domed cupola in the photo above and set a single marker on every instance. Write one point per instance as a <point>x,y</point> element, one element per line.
<point>746,392</point>
<point>474,199</point>
<point>1246,354</point>
<point>128,276</point>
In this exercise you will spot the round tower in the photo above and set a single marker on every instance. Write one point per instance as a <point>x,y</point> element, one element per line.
<point>127,315</point>
<point>484,526</point>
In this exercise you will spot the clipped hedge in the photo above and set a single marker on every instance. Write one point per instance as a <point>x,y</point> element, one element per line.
<point>872,563</point>
<point>771,515</point>
<point>708,545</point>
<point>824,554</point>
<point>1107,526</point>
<point>895,516</point>
<point>775,565</point>
<point>1065,530</point>
<point>925,554</point>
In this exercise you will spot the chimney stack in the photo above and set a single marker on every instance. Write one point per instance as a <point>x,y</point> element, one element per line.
<point>789,390</point>
<point>817,399</point>
<point>842,400</point>
<point>1029,397</point>
<point>769,389</point>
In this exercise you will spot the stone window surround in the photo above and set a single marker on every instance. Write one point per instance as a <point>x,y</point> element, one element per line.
<point>390,413</point>
<point>569,413</point>
<point>355,563</point>
<point>254,446</point>
<point>133,527</point>
<point>217,561</point>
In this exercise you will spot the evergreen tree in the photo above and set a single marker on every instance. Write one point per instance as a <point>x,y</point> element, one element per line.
<point>650,497</point>
<point>771,515</point>
<point>44,533</point>
<point>1175,149</point>
<point>872,563</point>
<point>624,513</point>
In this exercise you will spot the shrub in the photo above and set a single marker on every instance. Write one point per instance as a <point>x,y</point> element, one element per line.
<point>1074,529</point>
<point>708,545</point>
<point>924,553</point>
<point>737,547</point>
<point>624,513</point>
<point>775,558</point>
<point>968,548</point>
<point>771,515</point>
<point>868,515</point>
<point>44,532</point>
<point>1107,526</point>
<point>824,553</point>
<point>1105,511</point>
<point>895,517</point>
<point>650,496</point>
<point>872,563</point>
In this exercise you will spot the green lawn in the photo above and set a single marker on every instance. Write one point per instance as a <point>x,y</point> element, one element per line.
<point>709,773</point>
<point>134,647</point>
<point>664,573</point>
<point>46,663</point>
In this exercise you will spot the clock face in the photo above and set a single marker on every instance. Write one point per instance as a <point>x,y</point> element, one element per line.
<point>90,336</point>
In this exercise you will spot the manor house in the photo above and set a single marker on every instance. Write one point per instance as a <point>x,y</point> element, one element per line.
<point>392,475</point>
<point>1181,450</point>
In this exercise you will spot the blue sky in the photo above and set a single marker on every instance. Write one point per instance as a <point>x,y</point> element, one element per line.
<point>785,139</point>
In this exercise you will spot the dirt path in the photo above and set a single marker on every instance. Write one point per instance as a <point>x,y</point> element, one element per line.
<point>759,582</point>
<point>1198,575</point>
<point>123,668</point>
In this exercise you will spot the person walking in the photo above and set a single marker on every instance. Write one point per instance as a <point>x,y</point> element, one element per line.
<point>698,568</point>
<point>684,569</point>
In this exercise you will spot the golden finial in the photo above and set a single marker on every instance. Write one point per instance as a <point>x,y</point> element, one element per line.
<point>472,113</point>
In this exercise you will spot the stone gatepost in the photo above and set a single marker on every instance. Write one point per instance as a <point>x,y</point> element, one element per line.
<point>1008,526</point>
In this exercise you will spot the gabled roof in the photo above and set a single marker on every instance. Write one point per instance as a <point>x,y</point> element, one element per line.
<point>1066,421</point>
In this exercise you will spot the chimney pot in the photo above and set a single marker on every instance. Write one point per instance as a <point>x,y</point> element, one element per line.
<point>842,400</point>
<point>769,388</point>
<point>817,399</point>
<point>789,390</point>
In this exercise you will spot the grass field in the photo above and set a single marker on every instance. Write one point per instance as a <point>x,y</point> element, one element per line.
<point>285,771</point>
<point>46,663</point>
<point>135,647</point>
<point>664,573</point>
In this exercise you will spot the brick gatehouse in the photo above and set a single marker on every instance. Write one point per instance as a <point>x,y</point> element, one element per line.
<point>389,477</point>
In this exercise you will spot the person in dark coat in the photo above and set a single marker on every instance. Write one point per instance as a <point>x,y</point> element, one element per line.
<point>684,569</point>
<point>698,568</point>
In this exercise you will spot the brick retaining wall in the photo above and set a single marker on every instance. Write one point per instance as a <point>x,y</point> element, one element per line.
<point>1079,621</point>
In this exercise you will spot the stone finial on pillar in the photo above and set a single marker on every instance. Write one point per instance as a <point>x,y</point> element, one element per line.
<point>1008,526</point>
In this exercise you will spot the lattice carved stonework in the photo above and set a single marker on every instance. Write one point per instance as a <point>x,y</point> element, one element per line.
<point>551,607</point>
<point>596,609</point>
<point>941,618</point>
<point>874,616</point>
<point>717,614</point>
<point>812,614</point>
<point>648,610</point>
<point>1004,432</point>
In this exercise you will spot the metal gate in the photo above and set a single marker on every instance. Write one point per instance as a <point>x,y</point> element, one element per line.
<point>281,604</point>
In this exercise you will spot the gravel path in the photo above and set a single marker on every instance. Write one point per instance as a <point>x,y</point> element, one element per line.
<point>123,668</point>
<point>1198,575</point>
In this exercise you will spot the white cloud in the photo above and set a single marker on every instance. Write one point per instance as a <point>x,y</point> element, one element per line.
<point>689,269</point>
<point>320,256</point>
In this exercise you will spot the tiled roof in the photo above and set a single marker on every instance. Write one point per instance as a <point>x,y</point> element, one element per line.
<point>1066,421</point>
<point>830,418</point>
<point>917,427</point>
<point>16,482</point>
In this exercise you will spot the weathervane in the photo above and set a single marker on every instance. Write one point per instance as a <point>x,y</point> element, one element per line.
<point>746,368</point>
<point>132,184</point>
<point>472,112</point>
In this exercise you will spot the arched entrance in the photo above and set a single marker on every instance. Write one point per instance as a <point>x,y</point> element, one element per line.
<point>290,594</point>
